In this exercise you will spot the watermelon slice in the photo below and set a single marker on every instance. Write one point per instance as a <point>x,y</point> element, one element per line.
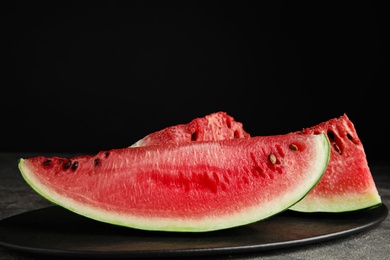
<point>187,186</point>
<point>347,184</point>
<point>212,127</point>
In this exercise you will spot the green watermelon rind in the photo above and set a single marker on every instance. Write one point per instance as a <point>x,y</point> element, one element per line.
<point>327,144</point>
<point>340,204</point>
<point>251,215</point>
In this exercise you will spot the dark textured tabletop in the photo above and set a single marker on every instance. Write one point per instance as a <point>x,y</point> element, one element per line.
<point>17,197</point>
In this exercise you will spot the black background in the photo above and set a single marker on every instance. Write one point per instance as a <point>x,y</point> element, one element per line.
<point>85,76</point>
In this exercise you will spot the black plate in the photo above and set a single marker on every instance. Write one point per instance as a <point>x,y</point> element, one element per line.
<point>57,231</point>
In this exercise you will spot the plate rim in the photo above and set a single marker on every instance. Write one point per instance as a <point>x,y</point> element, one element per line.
<point>382,213</point>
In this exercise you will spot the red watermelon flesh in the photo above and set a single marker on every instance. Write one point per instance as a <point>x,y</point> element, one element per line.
<point>348,183</point>
<point>188,186</point>
<point>212,127</point>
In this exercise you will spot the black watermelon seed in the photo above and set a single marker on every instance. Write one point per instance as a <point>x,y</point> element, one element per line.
<point>67,164</point>
<point>75,165</point>
<point>96,161</point>
<point>47,162</point>
<point>106,154</point>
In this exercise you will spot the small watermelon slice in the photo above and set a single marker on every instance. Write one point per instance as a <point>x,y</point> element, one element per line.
<point>213,127</point>
<point>347,184</point>
<point>188,186</point>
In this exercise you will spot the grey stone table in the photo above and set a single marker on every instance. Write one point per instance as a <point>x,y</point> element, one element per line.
<point>374,244</point>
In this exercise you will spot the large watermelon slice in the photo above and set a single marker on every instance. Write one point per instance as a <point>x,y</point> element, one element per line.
<point>347,184</point>
<point>187,186</point>
<point>212,127</point>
